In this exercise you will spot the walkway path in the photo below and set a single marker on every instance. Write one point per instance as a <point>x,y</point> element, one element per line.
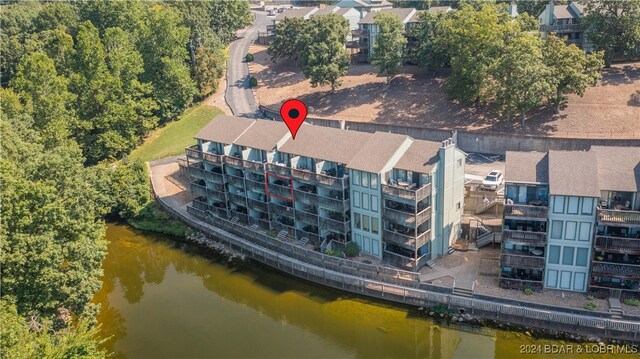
<point>238,94</point>
<point>464,274</point>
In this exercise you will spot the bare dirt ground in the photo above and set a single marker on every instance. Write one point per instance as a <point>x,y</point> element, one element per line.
<point>417,98</point>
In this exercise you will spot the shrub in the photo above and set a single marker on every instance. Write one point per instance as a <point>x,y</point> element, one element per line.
<point>352,249</point>
<point>590,297</point>
<point>331,252</point>
<point>528,291</point>
<point>591,306</point>
<point>366,261</point>
<point>153,219</point>
<point>253,82</point>
<point>271,233</point>
<point>633,302</point>
<point>442,309</point>
<point>249,57</point>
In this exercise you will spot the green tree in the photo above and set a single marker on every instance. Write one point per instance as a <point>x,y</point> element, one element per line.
<point>389,45</point>
<point>44,93</point>
<point>324,58</point>
<point>521,76</point>
<point>288,41</point>
<point>570,69</point>
<point>431,33</point>
<point>613,26</point>
<point>229,16</point>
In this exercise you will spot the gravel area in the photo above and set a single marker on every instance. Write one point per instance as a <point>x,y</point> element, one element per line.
<point>489,267</point>
<point>607,110</point>
<point>453,260</point>
<point>489,286</point>
<point>629,309</point>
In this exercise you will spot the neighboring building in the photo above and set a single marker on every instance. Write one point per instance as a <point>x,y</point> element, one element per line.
<point>572,221</point>
<point>368,30</point>
<point>564,20</point>
<point>400,199</point>
<point>365,6</point>
<point>352,15</point>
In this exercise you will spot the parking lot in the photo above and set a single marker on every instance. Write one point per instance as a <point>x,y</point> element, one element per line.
<point>478,165</point>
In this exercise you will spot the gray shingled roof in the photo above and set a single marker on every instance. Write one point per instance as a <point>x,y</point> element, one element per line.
<point>330,144</point>
<point>618,168</point>
<point>526,167</point>
<point>420,157</point>
<point>375,154</point>
<point>573,173</point>
<point>326,10</point>
<point>301,13</point>
<point>224,129</point>
<point>263,135</point>
<point>564,12</point>
<point>403,13</point>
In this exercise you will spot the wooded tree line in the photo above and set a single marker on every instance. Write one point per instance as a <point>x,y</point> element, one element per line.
<point>106,73</point>
<point>83,83</point>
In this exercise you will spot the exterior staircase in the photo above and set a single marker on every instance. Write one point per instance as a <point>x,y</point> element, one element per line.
<point>615,308</point>
<point>489,203</point>
<point>463,292</point>
<point>431,263</point>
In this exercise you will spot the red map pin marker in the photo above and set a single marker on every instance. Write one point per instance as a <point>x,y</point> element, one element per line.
<point>293,113</point>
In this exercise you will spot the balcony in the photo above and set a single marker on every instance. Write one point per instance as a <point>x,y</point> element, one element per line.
<point>622,270</point>
<point>537,239</point>
<point>198,189</point>
<point>253,165</point>
<point>279,226</point>
<point>233,161</point>
<point>281,210</point>
<point>280,191</point>
<point>306,197</point>
<point>407,219</point>
<point>336,226</point>
<point>333,204</point>
<point>238,199</point>
<point>413,195</point>
<point>255,186</point>
<point>313,238</point>
<point>331,181</point>
<point>216,194</point>
<point>219,212</point>
<point>303,175</point>
<point>235,180</point>
<point>201,203</point>
<point>605,291</point>
<point>561,28</point>
<point>306,217</point>
<point>526,211</point>
<point>615,216</point>
<point>403,262</point>
<point>406,240</point>
<point>214,177</point>
<point>262,224</point>
<point>279,169</point>
<point>360,57</point>
<point>520,284</point>
<point>212,158</point>
<point>352,44</point>
<point>258,205</point>
<point>193,152</point>
<point>360,33</point>
<point>241,217</point>
<point>196,172</point>
<point>521,259</point>
<point>617,244</point>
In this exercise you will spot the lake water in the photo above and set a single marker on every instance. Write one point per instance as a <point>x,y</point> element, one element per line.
<point>165,299</point>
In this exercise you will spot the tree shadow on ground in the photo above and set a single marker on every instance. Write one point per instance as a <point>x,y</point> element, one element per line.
<point>282,73</point>
<point>621,75</point>
<point>634,100</point>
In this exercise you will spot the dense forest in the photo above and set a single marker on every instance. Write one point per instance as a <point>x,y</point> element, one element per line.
<point>83,83</point>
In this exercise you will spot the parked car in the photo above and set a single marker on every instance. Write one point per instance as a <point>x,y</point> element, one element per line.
<point>271,13</point>
<point>493,180</point>
<point>281,10</point>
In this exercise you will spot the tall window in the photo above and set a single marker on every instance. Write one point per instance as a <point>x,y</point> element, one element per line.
<point>374,225</point>
<point>556,229</point>
<point>374,181</point>
<point>365,201</point>
<point>554,254</point>
<point>567,256</point>
<point>356,199</point>
<point>356,177</point>
<point>364,179</point>
<point>582,257</point>
<point>558,204</point>
<point>374,203</point>
<point>356,220</point>
<point>365,223</point>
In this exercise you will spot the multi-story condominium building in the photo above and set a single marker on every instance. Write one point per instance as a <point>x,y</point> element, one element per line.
<point>368,30</point>
<point>564,20</point>
<point>364,6</point>
<point>398,198</point>
<point>572,221</point>
<point>352,15</point>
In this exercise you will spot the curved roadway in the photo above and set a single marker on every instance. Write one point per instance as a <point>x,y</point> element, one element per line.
<point>238,94</point>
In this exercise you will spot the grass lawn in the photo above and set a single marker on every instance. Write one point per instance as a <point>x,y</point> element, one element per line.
<point>171,139</point>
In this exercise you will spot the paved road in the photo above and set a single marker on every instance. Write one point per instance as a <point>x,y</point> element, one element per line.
<point>238,94</point>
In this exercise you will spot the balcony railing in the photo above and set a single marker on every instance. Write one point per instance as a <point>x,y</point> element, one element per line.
<point>306,217</point>
<point>603,291</point>
<point>337,226</point>
<point>200,204</point>
<point>219,212</point>
<point>280,191</point>
<point>520,284</point>
<point>526,211</point>
<point>214,177</point>
<point>408,194</point>
<point>619,216</point>
<point>242,218</point>
<point>255,186</point>
<point>406,241</point>
<point>234,161</point>
<point>407,219</point>
<point>336,205</point>
<point>197,172</point>
<point>215,194</point>
<point>212,158</point>
<point>280,209</point>
<point>518,259</point>
<point>303,175</point>
<point>618,244</point>
<point>352,44</point>
<point>305,197</point>
<point>332,181</point>
<point>279,170</point>
<point>258,205</point>
<point>198,190</point>
<point>401,261</point>
<point>235,180</point>
<point>360,33</point>
<point>253,165</point>
<point>626,270</point>
<point>259,222</point>
<point>193,152</point>
<point>238,199</point>
<point>277,226</point>
<point>313,238</point>
<point>525,237</point>
<point>561,28</point>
